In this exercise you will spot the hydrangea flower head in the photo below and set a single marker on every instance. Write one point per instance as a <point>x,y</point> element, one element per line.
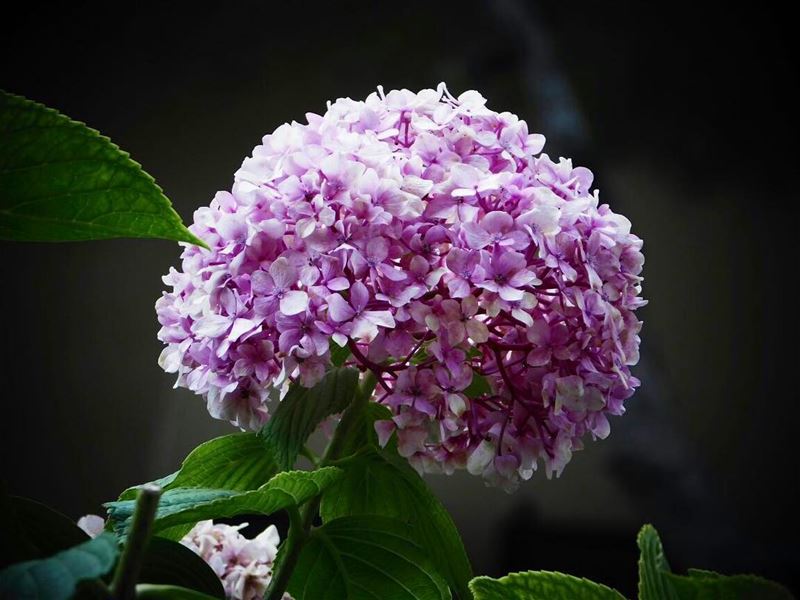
<point>243,565</point>
<point>485,284</point>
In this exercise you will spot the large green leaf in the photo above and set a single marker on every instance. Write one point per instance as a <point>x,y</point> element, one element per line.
<point>189,505</point>
<point>61,181</point>
<point>364,558</point>
<point>656,582</point>
<point>49,530</point>
<point>382,483</point>
<point>236,462</point>
<point>540,585</point>
<point>299,413</point>
<point>147,591</point>
<point>55,578</point>
<point>653,567</point>
<point>712,586</point>
<point>167,562</point>
<point>362,429</point>
<point>31,530</point>
<point>339,354</point>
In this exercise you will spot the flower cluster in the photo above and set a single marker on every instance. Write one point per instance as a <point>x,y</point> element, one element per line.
<point>244,566</point>
<point>482,282</point>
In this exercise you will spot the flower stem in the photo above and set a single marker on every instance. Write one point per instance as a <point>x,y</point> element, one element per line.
<point>301,522</point>
<point>123,586</point>
<point>299,528</point>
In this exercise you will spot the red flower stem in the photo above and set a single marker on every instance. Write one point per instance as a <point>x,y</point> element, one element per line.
<point>512,391</point>
<point>377,369</point>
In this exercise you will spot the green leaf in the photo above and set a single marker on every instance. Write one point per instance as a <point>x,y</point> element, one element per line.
<point>540,585</point>
<point>235,462</point>
<point>55,578</point>
<point>382,483</point>
<point>339,354</point>
<point>712,586</point>
<point>363,430</point>
<point>61,181</point>
<point>478,387</point>
<point>364,558</point>
<point>32,530</point>
<point>147,591</point>
<point>162,482</point>
<point>299,413</point>
<point>653,567</point>
<point>189,505</point>
<point>167,562</point>
<point>656,582</point>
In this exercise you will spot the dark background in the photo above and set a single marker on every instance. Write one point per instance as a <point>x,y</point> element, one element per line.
<point>687,115</point>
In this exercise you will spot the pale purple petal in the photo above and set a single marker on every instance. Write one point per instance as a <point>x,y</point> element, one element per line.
<point>294,302</point>
<point>339,309</point>
<point>283,273</point>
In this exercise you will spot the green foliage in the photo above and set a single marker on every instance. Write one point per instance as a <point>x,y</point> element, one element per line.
<point>362,431</point>
<point>478,387</point>
<point>169,563</point>
<point>299,413</point>
<point>147,591</point>
<point>653,584</point>
<point>380,482</point>
<point>376,482</point>
<point>727,587</point>
<point>339,354</point>
<point>32,530</point>
<point>236,462</point>
<point>364,558</point>
<point>56,578</point>
<point>162,482</point>
<point>540,585</point>
<point>656,582</point>
<point>61,181</point>
<point>180,506</point>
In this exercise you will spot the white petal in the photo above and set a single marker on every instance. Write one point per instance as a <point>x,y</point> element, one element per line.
<point>381,318</point>
<point>211,326</point>
<point>480,458</point>
<point>294,302</point>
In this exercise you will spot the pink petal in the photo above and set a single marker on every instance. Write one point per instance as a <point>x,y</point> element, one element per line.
<point>475,236</point>
<point>339,309</point>
<point>283,273</point>
<point>359,296</point>
<point>497,222</point>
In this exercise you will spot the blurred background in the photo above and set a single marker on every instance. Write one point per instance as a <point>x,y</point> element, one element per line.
<point>687,116</point>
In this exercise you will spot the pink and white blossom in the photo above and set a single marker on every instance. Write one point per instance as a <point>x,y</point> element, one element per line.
<point>243,565</point>
<point>431,236</point>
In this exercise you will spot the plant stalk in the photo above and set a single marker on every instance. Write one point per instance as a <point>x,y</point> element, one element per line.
<point>123,586</point>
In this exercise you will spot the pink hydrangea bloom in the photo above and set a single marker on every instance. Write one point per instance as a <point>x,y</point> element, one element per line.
<point>430,235</point>
<point>244,566</point>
